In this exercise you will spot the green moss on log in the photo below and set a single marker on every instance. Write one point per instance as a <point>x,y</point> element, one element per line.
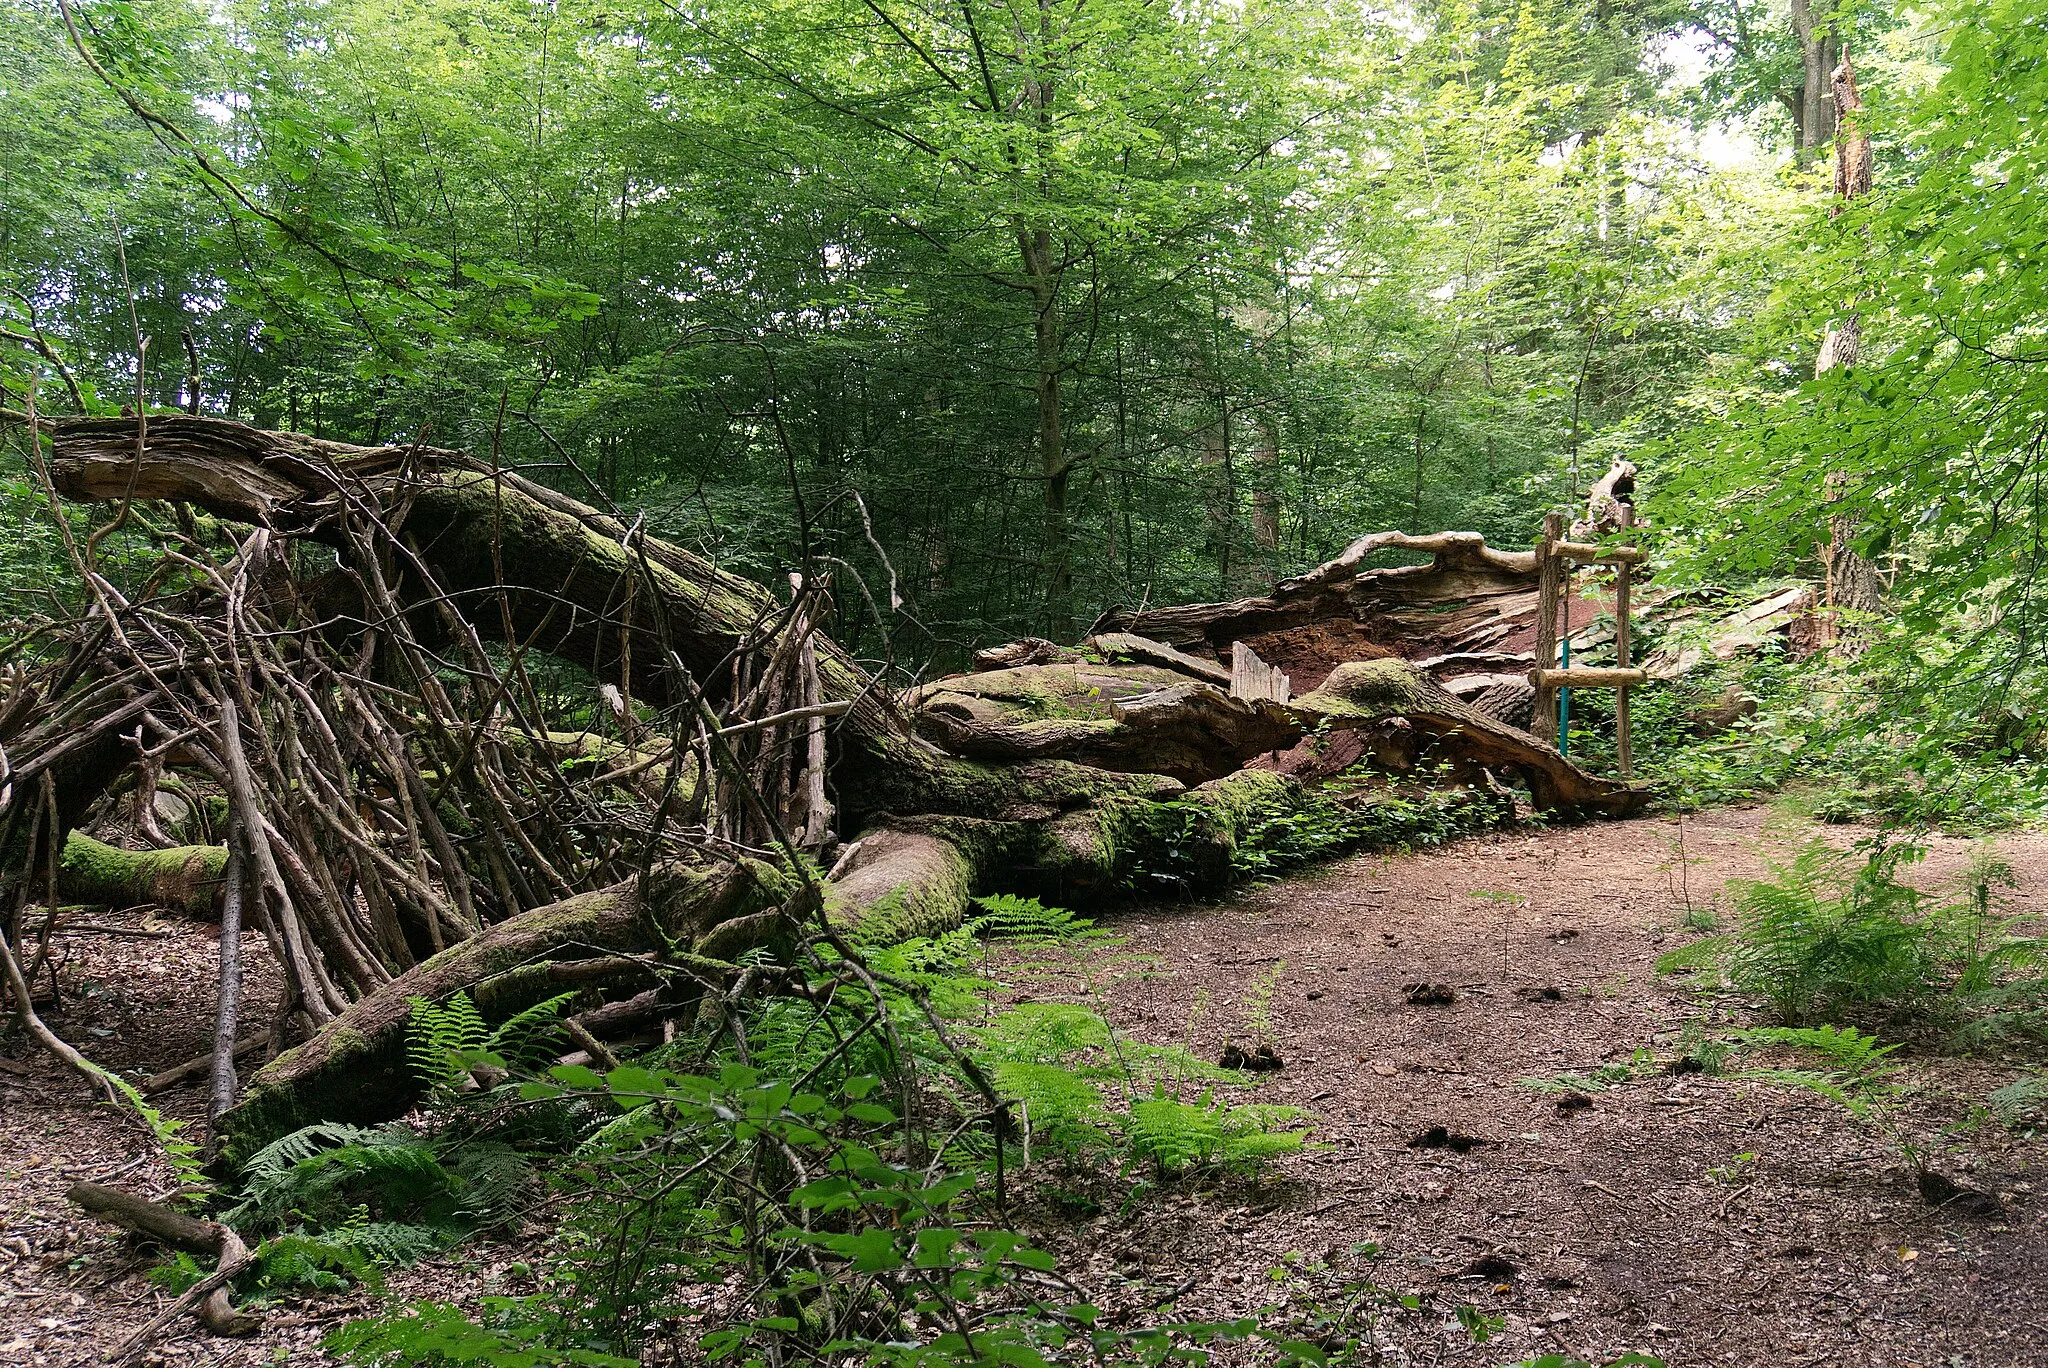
<point>183,879</point>
<point>904,884</point>
<point>355,1069</point>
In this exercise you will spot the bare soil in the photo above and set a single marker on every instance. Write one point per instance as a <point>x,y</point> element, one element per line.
<point>1704,1220</point>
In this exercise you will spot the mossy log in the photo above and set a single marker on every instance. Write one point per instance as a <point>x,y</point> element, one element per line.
<point>183,879</point>
<point>919,877</point>
<point>1130,718</point>
<point>355,1069</point>
<point>1372,691</point>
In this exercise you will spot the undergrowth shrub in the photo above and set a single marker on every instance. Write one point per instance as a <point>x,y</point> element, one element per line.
<point>834,1152</point>
<point>333,1204</point>
<point>1389,819</point>
<point>1839,937</point>
<point>1906,735</point>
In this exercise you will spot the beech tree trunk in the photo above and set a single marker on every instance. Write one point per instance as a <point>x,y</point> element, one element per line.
<point>1852,581</point>
<point>1813,106</point>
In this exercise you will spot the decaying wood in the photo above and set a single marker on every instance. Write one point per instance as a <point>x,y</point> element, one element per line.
<point>1129,718</point>
<point>1610,504</point>
<point>1587,677</point>
<point>200,1065</point>
<point>1468,597</point>
<point>1852,581</point>
<point>1549,590</point>
<point>1624,627</point>
<point>1589,553</point>
<point>169,1226</point>
<point>1371,691</point>
<point>573,578</point>
<point>1114,646</point>
<point>1251,677</point>
<point>405,837</point>
<point>184,879</point>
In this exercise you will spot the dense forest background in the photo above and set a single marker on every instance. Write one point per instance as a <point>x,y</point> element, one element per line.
<point>1062,304</point>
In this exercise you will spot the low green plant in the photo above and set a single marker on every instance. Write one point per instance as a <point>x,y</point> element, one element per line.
<point>1701,1051</point>
<point>509,1333</point>
<point>188,1174</point>
<point>1735,1170</point>
<point>386,1192</point>
<point>1177,1137</point>
<point>1640,1063</point>
<point>2022,1103</point>
<point>1855,1072</point>
<point>1376,817</point>
<point>1334,1309</point>
<point>452,1049</point>
<point>1257,1006</point>
<point>1838,936</point>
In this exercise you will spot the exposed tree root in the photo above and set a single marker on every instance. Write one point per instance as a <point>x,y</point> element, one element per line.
<point>208,1299</point>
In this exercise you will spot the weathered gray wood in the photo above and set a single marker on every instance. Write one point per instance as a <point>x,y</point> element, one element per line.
<point>1587,677</point>
<point>1130,646</point>
<point>1589,554</point>
<point>1622,746</point>
<point>1251,677</point>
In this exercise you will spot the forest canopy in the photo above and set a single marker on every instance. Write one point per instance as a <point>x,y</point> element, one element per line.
<point>1066,305</point>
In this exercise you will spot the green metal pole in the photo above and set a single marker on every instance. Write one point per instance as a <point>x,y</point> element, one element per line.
<point>1564,696</point>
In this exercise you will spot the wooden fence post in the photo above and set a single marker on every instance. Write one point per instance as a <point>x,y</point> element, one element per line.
<point>1549,573</point>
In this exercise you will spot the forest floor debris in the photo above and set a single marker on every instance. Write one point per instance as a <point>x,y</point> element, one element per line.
<point>1702,1219</point>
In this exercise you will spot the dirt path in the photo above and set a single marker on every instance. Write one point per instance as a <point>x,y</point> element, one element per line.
<point>1632,1225</point>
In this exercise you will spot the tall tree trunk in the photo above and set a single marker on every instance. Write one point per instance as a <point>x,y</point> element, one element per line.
<point>1219,493</point>
<point>1852,581</point>
<point>1053,466</point>
<point>1814,116</point>
<point>1266,502</point>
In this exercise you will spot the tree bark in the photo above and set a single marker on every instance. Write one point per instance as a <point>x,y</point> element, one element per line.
<point>1852,581</point>
<point>355,1068</point>
<point>1813,116</point>
<point>1035,246</point>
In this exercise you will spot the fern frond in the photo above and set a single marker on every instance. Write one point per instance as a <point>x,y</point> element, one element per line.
<point>1043,1032</point>
<point>531,1036</point>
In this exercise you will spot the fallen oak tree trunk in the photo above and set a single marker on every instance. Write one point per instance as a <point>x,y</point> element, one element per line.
<point>1074,782</point>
